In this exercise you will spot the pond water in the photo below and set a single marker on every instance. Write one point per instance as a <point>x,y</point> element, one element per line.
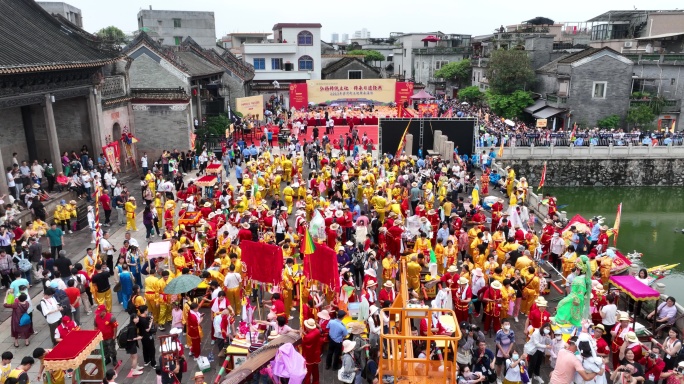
<point>652,222</point>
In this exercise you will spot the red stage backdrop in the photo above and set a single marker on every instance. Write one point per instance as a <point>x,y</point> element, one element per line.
<point>428,110</point>
<point>403,92</point>
<point>264,261</point>
<point>299,95</point>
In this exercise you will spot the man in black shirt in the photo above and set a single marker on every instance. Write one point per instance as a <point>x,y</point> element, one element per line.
<point>63,265</point>
<point>104,291</point>
<point>147,330</point>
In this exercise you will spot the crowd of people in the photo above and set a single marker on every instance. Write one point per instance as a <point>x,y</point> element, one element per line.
<point>478,256</point>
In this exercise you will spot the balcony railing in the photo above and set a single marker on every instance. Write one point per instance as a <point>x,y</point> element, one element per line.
<point>441,51</point>
<point>670,105</point>
<point>479,62</point>
<point>556,101</point>
<point>656,58</point>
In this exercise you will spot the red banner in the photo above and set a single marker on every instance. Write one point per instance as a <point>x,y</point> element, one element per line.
<point>403,92</point>
<point>322,266</point>
<point>264,261</point>
<point>299,95</point>
<point>112,154</point>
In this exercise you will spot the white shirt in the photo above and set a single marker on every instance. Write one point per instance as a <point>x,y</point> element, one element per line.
<point>134,242</point>
<point>143,161</point>
<point>232,280</point>
<point>38,170</point>
<point>51,311</point>
<point>10,180</point>
<point>609,314</point>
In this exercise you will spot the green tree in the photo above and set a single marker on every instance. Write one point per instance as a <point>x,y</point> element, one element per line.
<point>369,55</point>
<point>509,106</point>
<point>608,122</point>
<point>112,35</point>
<point>509,71</point>
<point>456,70</point>
<point>640,116</point>
<point>470,94</point>
<point>213,128</point>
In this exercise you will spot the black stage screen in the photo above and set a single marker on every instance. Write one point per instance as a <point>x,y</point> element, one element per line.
<point>459,130</point>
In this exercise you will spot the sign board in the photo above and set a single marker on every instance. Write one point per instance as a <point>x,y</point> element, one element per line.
<point>253,105</point>
<point>541,123</point>
<point>299,95</point>
<point>376,91</point>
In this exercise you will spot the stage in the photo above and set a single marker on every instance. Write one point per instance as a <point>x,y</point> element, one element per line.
<point>459,130</point>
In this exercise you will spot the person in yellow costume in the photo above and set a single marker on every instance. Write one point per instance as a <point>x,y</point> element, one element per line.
<point>368,192</point>
<point>568,261</point>
<point>287,285</point>
<point>258,198</point>
<point>242,203</point>
<point>507,295</point>
<point>523,185</point>
<point>152,293</point>
<point>505,247</point>
<point>439,256</point>
<point>72,209</point>
<point>289,193</point>
<point>164,300</point>
<point>510,181</point>
<point>89,262</point>
<point>309,206</point>
<point>388,265</point>
<point>475,195</point>
<point>490,266</point>
<point>379,203</point>
<point>422,244</point>
<point>605,265</point>
<point>300,166</point>
<point>61,215</point>
<point>413,273</point>
<point>130,214</point>
<point>301,190</point>
<point>475,236</point>
<point>287,169</point>
<point>531,289</point>
<point>150,179</point>
<point>395,207</point>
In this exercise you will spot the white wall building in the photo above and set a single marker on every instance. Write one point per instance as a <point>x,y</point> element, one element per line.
<point>172,27</point>
<point>362,34</point>
<point>293,55</point>
<point>344,38</point>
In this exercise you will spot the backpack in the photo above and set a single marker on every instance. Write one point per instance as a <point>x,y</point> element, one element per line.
<point>357,260</point>
<point>131,308</point>
<point>63,301</point>
<point>23,263</point>
<point>122,338</point>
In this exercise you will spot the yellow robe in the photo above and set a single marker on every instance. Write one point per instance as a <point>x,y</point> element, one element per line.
<point>413,275</point>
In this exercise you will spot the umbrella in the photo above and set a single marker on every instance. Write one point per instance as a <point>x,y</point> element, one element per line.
<point>322,104</point>
<point>334,105</point>
<point>182,284</point>
<point>510,123</point>
<point>431,38</point>
<point>464,103</point>
<point>540,21</point>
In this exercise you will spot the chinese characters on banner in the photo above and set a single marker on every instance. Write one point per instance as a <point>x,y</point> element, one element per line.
<point>403,93</point>
<point>253,105</point>
<point>377,91</point>
<point>299,95</point>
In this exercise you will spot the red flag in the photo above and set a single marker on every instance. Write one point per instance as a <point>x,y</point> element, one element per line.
<point>406,113</point>
<point>264,261</point>
<point>402,142</point>
<point>322,266</point>
<point>543,178</point>
<point>616,226</point>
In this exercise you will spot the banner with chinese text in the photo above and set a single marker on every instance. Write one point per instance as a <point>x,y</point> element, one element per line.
<point>403,92</point>
<point>253,105</point>
<point>299,95</point>
<point>376,91</point>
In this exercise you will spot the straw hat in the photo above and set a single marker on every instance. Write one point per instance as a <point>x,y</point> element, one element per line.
<point>414,184</point>
<point>431,212</point>
<point>388,284</point>
<point>601,327</point>
<point>373,309</point>
<point>541,302</point>
<point>372,283</point>
<point>72,202</point>
<point>462,280</point>
<point>423,219</point>
<point>496,285</point>
<point>310,324</point>
<point>348,346</point>
<point>631,337</point>
<point>623,316</point>
<point>131,198</point>
<point>245,225</point>
<point>339,214</point>
<point>328,214</point>
<point>199,374</point>
<point>452,269</point>
<point>207,205</point>
<point>334,226</point>
<point>324,315</point>
<point>356,328</point>
<point>478,272</point>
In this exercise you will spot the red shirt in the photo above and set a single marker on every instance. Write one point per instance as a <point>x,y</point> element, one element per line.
<point>244,234</point>
<point>602,347</point>
<point>538,318</point>
<point>106,202</point>
<point>386,296</point>
<point>107,325</point>
<point>311,346</point>
<point>279,307</point>
<point>654,368</point>
<point>73,293</point>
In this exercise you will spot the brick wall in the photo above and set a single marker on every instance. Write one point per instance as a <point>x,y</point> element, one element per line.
<point>587,109</point>
<point>147,73</point>
<point>159,127</point>
<point>12,137</point>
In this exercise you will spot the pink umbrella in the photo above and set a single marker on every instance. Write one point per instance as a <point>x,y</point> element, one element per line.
<point>422,95</point>
<point>431,38</point>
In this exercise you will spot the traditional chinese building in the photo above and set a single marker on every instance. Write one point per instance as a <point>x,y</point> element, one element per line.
<point>57,84</point>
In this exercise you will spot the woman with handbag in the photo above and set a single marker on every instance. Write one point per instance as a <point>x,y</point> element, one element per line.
<point>22,327</point>
<point>516,371</point>
<point>350,372</point>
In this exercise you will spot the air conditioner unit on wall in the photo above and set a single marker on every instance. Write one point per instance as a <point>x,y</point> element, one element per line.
<point>628,44</point>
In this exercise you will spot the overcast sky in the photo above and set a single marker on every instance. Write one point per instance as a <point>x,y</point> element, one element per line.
<point>379,17</point>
